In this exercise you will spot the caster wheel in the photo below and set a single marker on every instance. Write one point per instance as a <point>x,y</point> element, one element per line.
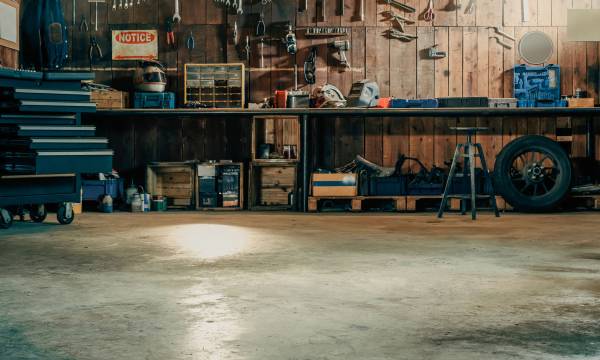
<point>38,213</point>
<point>6,219</point>
<point>65,214</point>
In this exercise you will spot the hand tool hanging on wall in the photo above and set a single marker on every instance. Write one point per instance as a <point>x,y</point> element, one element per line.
<point>310,67</point>
<point>290,42</point>
<point>247,48</point>
<point>342,6</point>
<point>429,15</point>
<point>262,53</point>
<point>176,16</point>
<point>83,25</point>
<point>402,6</point>
<point>434,53</point>
<point>400,35</point>
<point>470,7</point>
<point>191,42</point>
<point>361,10</point>
<point>94,49</point>
<point>400,20</point>
<point>303,6</point>
<point>74,19</point>
<point>323,10</point>
<point>114,5</point>
<point>525,10</point>
<point>236,37</point>
<point>342,46</point>
<point>170,33</point>
<point>260,25</point>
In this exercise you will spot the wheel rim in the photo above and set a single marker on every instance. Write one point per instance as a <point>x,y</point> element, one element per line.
<point>534,173</point>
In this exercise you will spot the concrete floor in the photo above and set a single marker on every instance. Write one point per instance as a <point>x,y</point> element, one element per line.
<point>287,286</point>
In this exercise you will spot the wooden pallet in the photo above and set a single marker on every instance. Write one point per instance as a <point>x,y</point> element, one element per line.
<point>357,203</point>
<point>500,203</point>
<point>584,201</point>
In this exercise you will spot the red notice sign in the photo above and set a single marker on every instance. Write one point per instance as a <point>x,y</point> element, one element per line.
<point>134,45</point>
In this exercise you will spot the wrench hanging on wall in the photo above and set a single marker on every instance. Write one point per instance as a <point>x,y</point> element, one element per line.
<point>176,16</point>
<point>525,10</point>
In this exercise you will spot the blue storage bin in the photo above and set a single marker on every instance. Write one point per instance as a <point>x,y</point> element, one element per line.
<point>537,86</point>
<point>415,103</point>
<point>149,100</point>
<point>93,190</point>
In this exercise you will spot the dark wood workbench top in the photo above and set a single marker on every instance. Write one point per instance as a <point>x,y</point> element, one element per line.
<point>142,113</point>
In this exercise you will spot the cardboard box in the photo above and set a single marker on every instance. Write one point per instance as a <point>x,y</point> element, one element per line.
<point>334,184</point>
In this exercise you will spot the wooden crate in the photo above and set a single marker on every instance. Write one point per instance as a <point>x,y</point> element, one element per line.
<point>278,131</point>
<point>110,99</point>
<point>580,102</point>
<point>271,185</point>
<point>175,180</point>
<point>241,189</point>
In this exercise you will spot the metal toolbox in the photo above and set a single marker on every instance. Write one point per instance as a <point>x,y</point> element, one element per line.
<point>35,119</point>
<point>39,189</point>
<point>502,103</point>
<point>56,106</point>
<point>49,131</point>
<point>147,100</point>
<point>57,161</point>
<point>43,143</point>
<point>47,95</point>
<point>537,86</point>
<point>414,103</point>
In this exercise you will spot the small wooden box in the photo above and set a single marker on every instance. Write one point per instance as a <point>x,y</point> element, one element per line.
<point>334,184</point>
<point>174,180</point>
<point>580,102</point>
<point>110,99</point>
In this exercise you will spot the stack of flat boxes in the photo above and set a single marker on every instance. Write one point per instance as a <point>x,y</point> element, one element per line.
<point>43,146</point>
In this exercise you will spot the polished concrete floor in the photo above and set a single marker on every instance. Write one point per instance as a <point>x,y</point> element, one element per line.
<point>286,286</point>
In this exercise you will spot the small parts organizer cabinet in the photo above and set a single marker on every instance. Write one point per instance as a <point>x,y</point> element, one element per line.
<point>214,85</point>
<point>275,155</point>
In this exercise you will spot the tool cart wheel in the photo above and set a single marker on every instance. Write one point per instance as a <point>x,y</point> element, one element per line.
<point>38,213</point>
<point>533,173</point>
<point>65,214</point>
<point>6,218</point>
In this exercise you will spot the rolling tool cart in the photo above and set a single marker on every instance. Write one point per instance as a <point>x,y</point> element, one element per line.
<point>43,147</point>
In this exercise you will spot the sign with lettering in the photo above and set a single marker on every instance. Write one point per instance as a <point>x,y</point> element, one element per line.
<point>134,45</point>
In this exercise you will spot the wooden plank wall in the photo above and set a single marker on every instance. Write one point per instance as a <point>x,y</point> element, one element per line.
<point>477,65</point>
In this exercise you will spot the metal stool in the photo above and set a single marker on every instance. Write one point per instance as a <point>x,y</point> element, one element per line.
<point>468,171</point>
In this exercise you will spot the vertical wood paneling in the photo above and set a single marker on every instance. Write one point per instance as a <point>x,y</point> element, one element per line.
<point>425,65</point>
<point>403,67</point>
<point>441,66</point>
<point>395,140</point>
<point>470,55</point>
<point>455,62</point>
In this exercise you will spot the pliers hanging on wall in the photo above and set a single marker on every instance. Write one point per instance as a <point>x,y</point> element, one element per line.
<point>170,33</point>
<point>261,28</point>
<point>83,25</point>
<point>94,49</point>
<point>191,42</point>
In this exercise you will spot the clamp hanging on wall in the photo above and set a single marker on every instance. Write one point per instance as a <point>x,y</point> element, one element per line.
<point>310,67</point>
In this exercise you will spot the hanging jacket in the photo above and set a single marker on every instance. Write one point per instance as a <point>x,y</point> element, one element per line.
<point>44,35</point>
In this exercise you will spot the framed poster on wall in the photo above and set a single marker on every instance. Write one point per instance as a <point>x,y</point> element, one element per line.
<point>9,24</point>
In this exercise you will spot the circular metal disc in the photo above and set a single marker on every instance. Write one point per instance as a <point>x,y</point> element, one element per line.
<point>536,47</point>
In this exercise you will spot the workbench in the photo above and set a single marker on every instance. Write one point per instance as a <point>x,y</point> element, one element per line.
<point>146,116</point>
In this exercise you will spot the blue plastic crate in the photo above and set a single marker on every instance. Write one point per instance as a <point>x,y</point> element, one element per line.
<point>149,100</point>
<point>537,86</point>
<point>416,103</point>
<point>93,190</point>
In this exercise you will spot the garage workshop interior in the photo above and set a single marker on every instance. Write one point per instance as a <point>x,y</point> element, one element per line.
<point>299,179</point>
